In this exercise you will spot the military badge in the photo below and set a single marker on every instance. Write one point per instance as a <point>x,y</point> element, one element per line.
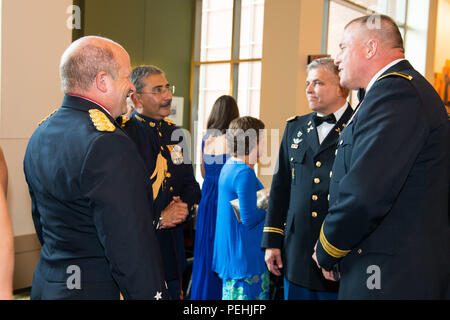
<point>310,129</point>
<point>297,141</point>
<point>299,134</point>
<point>176,153</point>
<point>294,146</point>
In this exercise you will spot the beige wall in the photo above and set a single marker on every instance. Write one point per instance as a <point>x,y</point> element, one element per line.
<point>33,37</point>
<point>292,31</point>
<point>442,35</point>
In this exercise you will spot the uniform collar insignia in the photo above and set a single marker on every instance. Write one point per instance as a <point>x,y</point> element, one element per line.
<point>139,118</point>
<point>125,119</point>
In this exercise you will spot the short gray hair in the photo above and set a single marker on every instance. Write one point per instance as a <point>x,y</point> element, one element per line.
<point>142,72</point>
<point>79,68</point>
<point>328,64</point>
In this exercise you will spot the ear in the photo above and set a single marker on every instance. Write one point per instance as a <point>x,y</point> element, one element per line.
<point>371,48</point>
<point>136,99</point>
<point>101,81</point>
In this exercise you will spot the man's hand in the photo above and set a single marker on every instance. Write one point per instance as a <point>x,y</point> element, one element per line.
<point>329,275</point>
<point>174,214</point>
<point>273,261</point>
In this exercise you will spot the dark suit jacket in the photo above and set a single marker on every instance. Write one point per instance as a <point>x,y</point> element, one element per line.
<point>298,201</point>
<point>151,138</point>
<point>91,206</point>
<point>388,221</point>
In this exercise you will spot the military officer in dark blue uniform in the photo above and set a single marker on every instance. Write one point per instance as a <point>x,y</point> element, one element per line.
<point>164,149</point>
<point>299,194</point>
<point>91,198</point>
<point>387,230</point>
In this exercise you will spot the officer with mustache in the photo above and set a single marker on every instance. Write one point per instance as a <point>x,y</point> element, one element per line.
<point>175,190</point>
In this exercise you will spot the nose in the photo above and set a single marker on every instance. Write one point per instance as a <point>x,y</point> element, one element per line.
<point>337,60</point>
<point>132,87</point>
<point>309,88</point>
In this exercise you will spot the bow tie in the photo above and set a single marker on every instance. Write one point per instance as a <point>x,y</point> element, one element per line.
<point>319,120</point>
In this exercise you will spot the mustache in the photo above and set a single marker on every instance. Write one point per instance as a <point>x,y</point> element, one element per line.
<point>167,104</point>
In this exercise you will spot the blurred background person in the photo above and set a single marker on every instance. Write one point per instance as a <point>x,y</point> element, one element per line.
<point>6,236</point>
<point>206,285</point>
<point>238,258</point>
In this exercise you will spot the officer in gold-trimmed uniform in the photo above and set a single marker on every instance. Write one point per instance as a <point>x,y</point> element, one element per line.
<point>164,148</point>
<point>93,218</point>
<point>299,193</point>
<point>387,227</point>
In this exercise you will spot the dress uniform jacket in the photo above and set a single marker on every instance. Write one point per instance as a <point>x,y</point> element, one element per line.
<point>165,154</point>
<point>299,198</point>
<point>388,222</point>
<point>92,217</point>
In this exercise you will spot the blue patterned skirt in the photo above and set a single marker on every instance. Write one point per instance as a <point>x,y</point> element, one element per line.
<point>254,288</point>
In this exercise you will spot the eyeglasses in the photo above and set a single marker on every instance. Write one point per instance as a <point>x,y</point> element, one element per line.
<point>160,90</point>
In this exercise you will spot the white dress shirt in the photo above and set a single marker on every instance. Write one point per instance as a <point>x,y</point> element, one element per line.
<point>325,127</point>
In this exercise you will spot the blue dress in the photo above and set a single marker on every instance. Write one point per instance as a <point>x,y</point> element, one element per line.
<point>206,285</point>
<point>238,258</point>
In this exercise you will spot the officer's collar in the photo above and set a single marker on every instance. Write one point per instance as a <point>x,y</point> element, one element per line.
<point>144,119</point>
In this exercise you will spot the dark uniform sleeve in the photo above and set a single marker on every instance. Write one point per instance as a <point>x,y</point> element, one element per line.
<point>36,216</point>
<point>117,189</point>
<point>190,189</point>
<point>279,198</point>
<point>381,158</point>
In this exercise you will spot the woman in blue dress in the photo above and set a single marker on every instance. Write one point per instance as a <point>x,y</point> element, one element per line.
<point>205,283</point>
<point>238,258</point>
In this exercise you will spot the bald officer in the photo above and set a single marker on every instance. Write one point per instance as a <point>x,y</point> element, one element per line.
<point>91,199</point>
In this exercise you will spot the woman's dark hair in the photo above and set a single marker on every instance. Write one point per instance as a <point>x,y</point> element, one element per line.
<point>243,135</point>
<point>224,110</point>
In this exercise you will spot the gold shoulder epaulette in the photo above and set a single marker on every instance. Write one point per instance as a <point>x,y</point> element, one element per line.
<point>170,122</point>
<point>396,74</point>
<point>125,119</point>
<point>101,121</point>
<point>291,118</point>
<point>40,122</point>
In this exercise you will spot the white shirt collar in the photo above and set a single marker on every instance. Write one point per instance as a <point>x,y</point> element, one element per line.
<point>338,114</point>
<point>379,73</point>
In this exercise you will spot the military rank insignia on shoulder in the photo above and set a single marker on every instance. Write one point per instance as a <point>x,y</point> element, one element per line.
<point>42,121</point>
<point>291,118</point>
<point>170,122</point>
<point>396,74</point>
<point>101,121</point>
